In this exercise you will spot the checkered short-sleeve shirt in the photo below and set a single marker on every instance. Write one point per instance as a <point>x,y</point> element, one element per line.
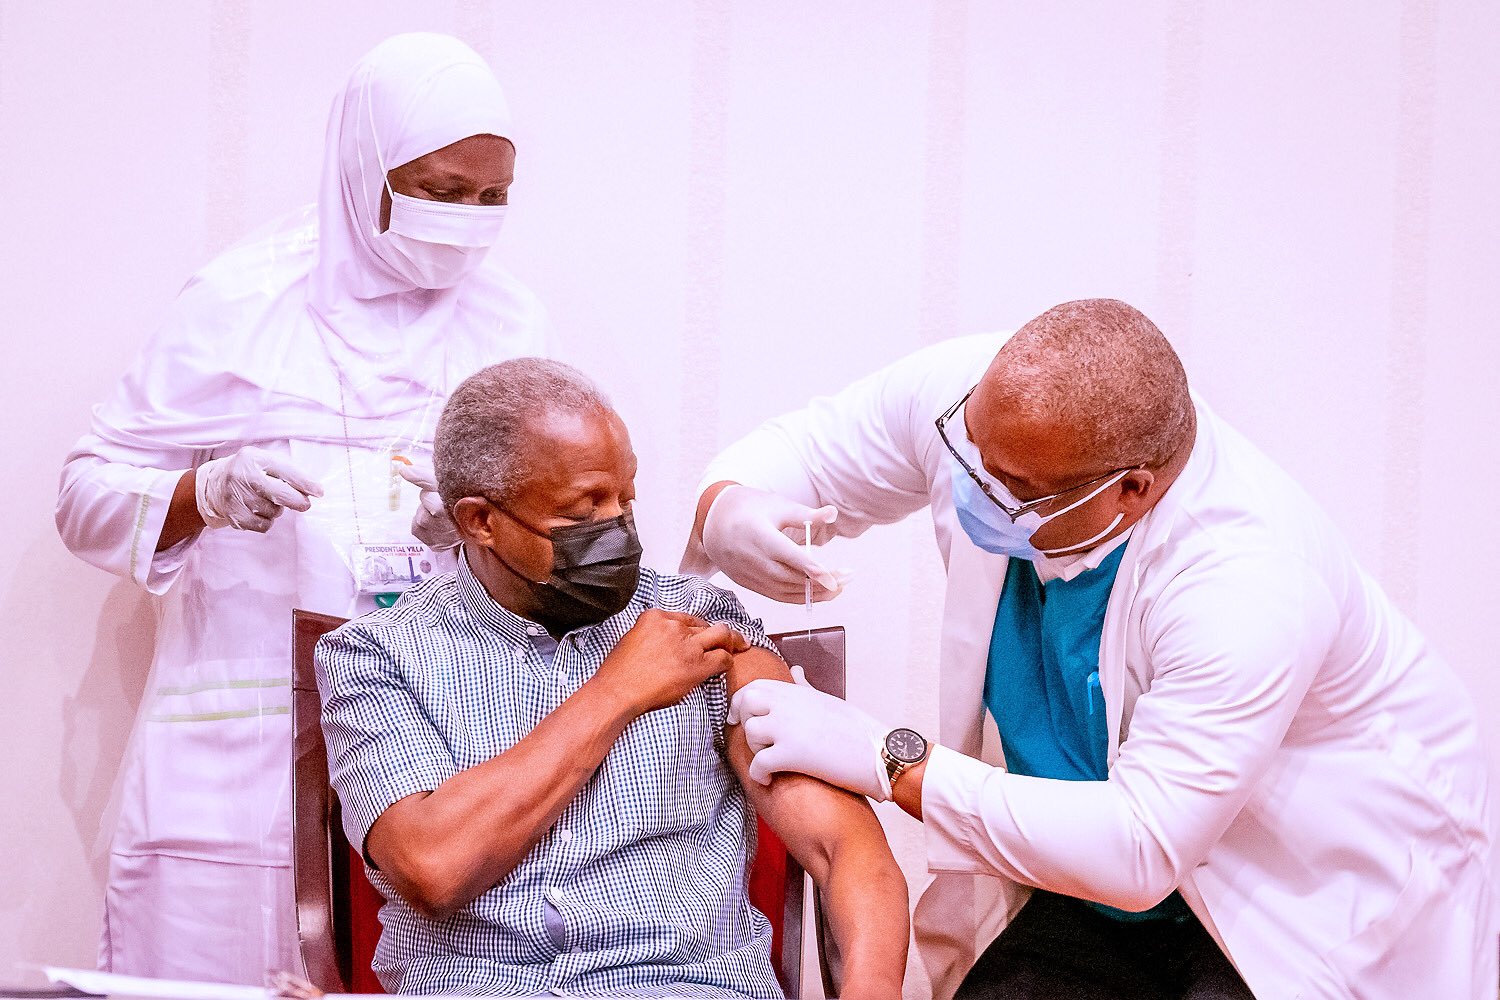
<point>646,866</point>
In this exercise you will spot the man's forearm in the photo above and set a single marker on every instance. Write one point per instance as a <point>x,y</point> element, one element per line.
<point>863,893</point>
<point>446,848</point>
<point>836,837</point>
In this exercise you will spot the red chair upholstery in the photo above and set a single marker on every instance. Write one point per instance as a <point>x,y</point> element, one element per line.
<point>338,910</point>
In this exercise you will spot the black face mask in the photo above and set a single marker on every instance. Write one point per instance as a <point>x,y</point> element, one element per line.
<point>595,568</point>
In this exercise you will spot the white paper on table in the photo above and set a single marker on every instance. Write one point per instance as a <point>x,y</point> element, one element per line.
<point>112,984</point>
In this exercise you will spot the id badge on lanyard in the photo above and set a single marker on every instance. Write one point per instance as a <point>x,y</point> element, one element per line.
<point>393,562</point>
<point>355,542</point>
<point>390,567</point>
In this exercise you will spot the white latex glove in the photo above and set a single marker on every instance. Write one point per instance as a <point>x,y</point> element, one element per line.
<point>431,524</point>
<point>792,727</point>
<point>754,536</point>
<point>250,489</point>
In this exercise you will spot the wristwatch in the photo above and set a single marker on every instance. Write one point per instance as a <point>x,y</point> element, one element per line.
<point>903,748</point>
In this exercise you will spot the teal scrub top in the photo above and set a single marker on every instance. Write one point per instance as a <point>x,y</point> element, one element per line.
<point>1042,683</point>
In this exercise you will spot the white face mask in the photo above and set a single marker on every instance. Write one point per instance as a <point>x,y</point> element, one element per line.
<point>436,244</point>
<point>433,244</point>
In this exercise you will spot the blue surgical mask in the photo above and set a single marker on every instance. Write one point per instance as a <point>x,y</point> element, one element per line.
<point>991,528</point>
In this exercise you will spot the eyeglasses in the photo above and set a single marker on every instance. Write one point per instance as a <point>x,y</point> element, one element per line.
<point>987,490</point>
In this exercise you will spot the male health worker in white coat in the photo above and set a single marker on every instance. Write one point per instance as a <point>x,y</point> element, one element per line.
<point>1230,761</point>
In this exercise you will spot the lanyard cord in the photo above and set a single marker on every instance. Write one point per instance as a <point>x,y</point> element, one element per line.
<point>359,533</point>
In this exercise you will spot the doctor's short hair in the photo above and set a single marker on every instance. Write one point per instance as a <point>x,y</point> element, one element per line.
<point>484,446</point>
<point>1101,368</point>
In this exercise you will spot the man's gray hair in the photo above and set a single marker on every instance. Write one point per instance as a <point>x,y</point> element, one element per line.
<point>1103,370</point>
<point>486,445</point>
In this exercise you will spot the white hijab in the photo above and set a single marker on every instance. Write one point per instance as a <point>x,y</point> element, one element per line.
<point>303,331</point>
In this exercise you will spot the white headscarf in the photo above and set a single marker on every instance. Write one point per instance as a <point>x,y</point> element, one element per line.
<point>305,332</point>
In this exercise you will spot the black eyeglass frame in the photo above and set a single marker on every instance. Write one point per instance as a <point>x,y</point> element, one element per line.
<point>984,487</point>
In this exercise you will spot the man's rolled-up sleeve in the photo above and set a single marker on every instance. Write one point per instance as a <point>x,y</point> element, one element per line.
<point>721,607</point>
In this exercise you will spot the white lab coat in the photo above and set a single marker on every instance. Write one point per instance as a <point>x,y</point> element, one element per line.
<point>299,341</point>
<point>1285,748</point>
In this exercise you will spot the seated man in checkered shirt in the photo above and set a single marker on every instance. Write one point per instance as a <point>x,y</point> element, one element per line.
<point>533,753</point>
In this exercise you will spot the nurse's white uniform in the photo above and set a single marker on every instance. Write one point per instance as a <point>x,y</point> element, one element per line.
<point>304,342</point>
<point>1285,746</point>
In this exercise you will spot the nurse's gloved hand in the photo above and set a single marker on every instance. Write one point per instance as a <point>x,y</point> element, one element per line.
<point>791,727</point>
<point>250,489</point>
<point>431,524</point>
<point>753,537</point>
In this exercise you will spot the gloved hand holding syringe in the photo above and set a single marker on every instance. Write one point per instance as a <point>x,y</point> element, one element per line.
<point>753,537</point>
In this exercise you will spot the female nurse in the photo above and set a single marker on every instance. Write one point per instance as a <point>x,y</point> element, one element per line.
<point>302,371</point>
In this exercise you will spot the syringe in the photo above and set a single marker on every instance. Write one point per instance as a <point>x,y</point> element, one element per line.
<point>807,584</point>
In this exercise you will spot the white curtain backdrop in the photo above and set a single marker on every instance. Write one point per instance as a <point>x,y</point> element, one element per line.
<point>730,207</point>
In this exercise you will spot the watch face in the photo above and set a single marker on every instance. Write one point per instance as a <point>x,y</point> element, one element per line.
<point>906,745</point>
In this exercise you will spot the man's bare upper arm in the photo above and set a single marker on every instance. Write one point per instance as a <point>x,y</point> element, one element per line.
<point>753,664</point>
<point>807,814</point>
